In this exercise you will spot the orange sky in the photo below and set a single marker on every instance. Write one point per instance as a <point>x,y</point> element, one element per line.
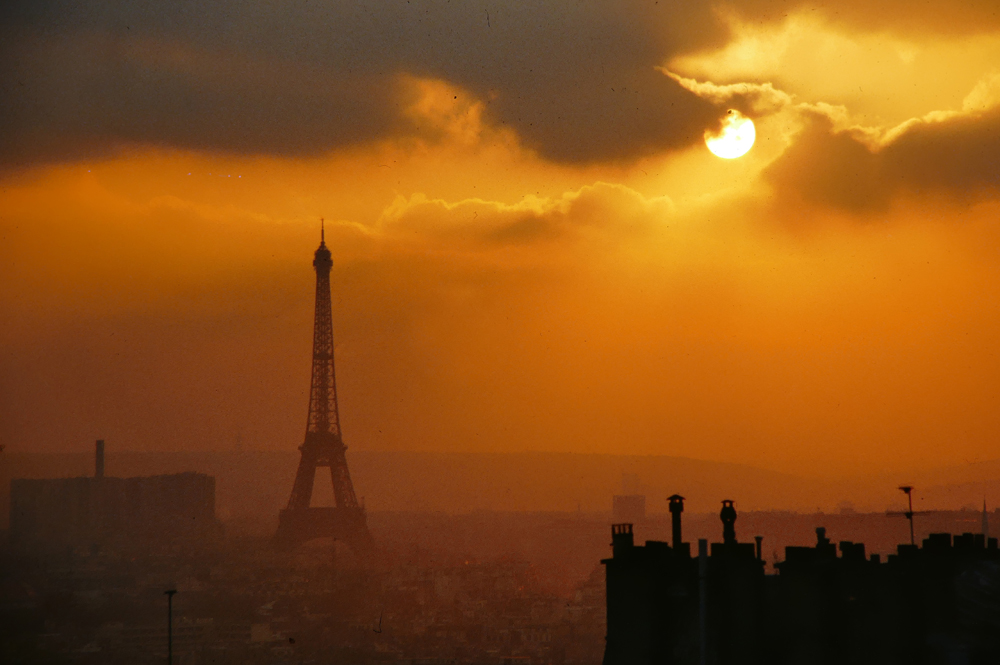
<point>533,248</point>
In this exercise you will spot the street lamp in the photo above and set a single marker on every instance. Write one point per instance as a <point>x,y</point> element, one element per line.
<point>170,625</point>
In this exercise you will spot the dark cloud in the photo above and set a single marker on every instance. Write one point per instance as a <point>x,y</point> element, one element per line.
<point>577,81</point>
<point>957,157</point>
<point>87,93</point>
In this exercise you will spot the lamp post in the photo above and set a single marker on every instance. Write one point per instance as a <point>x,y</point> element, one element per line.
<point>170,625</point>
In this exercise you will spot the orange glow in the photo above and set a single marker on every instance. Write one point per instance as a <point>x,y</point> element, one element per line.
<point>771,311</point>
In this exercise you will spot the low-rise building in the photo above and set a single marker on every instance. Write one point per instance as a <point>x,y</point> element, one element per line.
<point>100,510</point>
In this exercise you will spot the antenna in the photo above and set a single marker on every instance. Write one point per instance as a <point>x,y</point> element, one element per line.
<point>908,489</point>
<point>322,231</point>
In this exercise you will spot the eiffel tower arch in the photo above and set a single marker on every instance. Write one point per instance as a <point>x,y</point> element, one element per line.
<point>323,446</point>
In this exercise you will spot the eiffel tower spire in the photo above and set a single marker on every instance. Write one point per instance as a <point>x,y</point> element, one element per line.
<point>324,416</point>
<point>323,446</point>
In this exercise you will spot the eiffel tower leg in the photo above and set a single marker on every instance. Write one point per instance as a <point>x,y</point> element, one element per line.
<point>303,488</point>
<point>343,489</point>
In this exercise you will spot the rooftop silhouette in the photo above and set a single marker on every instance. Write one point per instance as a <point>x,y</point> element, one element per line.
<point>827,603</point>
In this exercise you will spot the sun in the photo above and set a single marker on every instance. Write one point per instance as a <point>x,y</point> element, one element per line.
<point>734,139</point>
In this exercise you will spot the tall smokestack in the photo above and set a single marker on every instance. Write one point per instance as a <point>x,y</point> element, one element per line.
<point>99,459</point>
<point>986,523</point>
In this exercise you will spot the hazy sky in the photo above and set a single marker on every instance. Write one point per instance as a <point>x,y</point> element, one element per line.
<point>533,247</point>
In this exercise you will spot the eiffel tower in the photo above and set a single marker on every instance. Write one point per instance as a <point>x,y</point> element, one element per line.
<point>323,444</point>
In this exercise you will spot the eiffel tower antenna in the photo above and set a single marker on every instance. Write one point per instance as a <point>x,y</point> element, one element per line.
<point>323,446</point>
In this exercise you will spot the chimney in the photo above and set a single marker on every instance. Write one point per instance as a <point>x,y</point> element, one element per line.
<point>676,508</point>
<point>622,539</point>
<point>728,517</point>
<point>99,459</point>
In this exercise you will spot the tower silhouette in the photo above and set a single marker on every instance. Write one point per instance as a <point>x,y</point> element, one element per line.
<point>323,444</point>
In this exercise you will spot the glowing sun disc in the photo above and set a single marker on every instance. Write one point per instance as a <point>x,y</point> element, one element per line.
<point>736,137</point>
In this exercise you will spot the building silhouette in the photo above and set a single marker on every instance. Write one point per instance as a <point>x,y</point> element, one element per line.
<point>630,505</point>
<point>829,603</point>
<point>323,446</point>
<point>628,508</point>
<point>101,510</point>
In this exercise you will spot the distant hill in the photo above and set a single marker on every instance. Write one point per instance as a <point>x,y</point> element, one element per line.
<point>253,485</point>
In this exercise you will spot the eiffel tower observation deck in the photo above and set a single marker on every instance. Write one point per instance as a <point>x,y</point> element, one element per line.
<point>324,445</point>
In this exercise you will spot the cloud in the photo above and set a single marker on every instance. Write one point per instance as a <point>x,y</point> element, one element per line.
<point>935,17</point>
<point>753,98</point>
<point>608,210</point>
<point>882,73</point>
<point>835,159</point>
<point>83,93</point>
<point>985,96</point>
<point>575,81</point>
<point>946,153</point>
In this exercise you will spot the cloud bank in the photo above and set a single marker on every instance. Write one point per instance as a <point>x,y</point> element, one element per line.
<point>576,81</point>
